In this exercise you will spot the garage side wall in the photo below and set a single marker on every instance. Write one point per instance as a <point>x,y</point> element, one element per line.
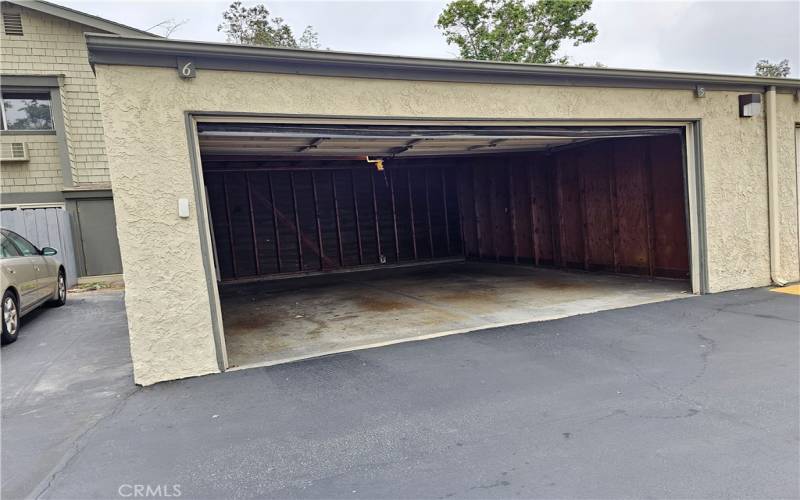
<point>615,205</point>
<point>166,299</point>
<point>144,111</point>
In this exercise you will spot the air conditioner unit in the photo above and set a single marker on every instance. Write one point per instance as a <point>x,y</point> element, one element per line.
<point>14,151</point>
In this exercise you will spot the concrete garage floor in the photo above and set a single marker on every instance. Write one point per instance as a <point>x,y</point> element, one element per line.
<point>273,322</point>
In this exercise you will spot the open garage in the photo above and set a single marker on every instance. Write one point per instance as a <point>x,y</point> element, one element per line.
<point>277,204</point>
<point>329,238</point>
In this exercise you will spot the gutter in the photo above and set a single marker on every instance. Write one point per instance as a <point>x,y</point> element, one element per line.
<point>773,188</point>
<point>118,50</point>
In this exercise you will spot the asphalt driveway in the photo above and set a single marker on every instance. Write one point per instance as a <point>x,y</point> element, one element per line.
<point>690,398</point>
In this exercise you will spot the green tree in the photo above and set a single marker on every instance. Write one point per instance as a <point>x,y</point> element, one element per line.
<point>515,30</point>
<point>777,70</point>
<point>29,115</point>
<point>253,26</point>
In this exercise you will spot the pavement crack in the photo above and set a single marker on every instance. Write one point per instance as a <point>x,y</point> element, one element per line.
<point>78,446</point>
<point>708,345</point>
<point>691,412</point>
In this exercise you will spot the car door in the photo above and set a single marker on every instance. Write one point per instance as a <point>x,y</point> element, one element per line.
<point>45,287</point>
<point>18,271</point>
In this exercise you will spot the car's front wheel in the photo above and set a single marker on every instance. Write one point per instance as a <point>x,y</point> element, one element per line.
<point>61,290</point>
<point>10,317</point>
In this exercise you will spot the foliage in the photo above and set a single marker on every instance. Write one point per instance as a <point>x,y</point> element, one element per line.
<point>253,26</point>
<point>309,39</point>
<point>31,115</point>
<point>515,30</point>
<point>168,26</point>
<point>777,70</point>
<point>597,64</point>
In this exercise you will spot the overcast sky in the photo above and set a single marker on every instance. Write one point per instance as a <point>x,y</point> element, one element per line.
<point>703,36</point>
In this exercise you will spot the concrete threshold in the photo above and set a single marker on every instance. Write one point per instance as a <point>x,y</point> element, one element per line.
<point>270,324</point>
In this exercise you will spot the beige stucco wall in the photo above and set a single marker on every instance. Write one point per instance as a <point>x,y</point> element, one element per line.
<point>52,46</point>
<point>788,164</point>
<point>143,114</point>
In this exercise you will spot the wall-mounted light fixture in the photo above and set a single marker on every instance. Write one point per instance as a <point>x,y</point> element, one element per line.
<point>749,105</point>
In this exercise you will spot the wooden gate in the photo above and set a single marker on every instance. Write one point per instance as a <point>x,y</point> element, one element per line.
<point>45,227</point>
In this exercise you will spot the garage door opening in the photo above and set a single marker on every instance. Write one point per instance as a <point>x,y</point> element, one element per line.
<point>318,250</point>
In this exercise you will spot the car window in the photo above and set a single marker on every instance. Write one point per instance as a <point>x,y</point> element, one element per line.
<point>7,249</point>
<point>25,247</point>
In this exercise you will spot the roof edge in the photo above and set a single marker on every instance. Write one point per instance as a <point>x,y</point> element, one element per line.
<point>138,51</point>
<point>82,18</point>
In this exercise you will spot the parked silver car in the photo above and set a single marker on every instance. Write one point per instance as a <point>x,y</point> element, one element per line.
<point>29,277</point>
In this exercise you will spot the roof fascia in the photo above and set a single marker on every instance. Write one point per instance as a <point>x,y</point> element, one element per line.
<point>115,50</point>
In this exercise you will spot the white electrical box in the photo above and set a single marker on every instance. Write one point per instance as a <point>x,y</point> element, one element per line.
<point>183,208</point>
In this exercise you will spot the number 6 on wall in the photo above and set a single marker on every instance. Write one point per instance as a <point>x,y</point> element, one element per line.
<point>186,68</point>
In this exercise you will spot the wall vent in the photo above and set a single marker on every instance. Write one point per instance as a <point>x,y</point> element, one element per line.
<point>12,24</point>
<point>14,151</point>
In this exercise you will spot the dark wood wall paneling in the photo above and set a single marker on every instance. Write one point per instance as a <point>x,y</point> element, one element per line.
<point>615,205</point>
<point>269,221</point>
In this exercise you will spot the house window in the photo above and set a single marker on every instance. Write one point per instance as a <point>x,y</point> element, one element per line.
<point>26,110</point>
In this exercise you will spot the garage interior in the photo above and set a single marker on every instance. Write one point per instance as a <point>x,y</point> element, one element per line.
<point>334,237</point>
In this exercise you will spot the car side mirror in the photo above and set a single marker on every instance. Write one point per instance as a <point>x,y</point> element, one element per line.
<point>48,252</point>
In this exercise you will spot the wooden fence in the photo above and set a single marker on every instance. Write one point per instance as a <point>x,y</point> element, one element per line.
<point>45,227</point>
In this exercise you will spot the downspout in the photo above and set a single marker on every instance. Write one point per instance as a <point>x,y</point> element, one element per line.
<point>773,187</point>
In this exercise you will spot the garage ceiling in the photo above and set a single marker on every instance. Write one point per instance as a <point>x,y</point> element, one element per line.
<point>281,140</point>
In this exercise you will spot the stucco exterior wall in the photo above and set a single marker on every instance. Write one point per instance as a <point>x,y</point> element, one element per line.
<point>51,46</point>
<point>788,164</point>
<point>143,115</point>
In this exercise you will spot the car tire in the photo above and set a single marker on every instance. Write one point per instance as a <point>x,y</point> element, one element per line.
<point>61,290</point>
<point>10,317</point>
